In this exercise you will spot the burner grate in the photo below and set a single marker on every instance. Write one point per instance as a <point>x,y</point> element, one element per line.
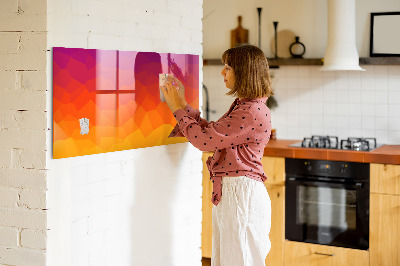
<point>332,142</point>
<point>358,144</point>
<point>327,142</point>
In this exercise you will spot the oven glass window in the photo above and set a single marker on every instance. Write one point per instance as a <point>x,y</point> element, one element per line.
<point>327,207</point>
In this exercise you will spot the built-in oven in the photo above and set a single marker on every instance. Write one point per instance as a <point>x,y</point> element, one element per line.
<point>327,202</point>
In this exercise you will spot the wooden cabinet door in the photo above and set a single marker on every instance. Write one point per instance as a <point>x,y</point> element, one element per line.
<point>384,236</point>
<point>305,254</point>
<point>385,178</point>
<point>274,168</point>
<point>277,233</point>
<point>206,226</point>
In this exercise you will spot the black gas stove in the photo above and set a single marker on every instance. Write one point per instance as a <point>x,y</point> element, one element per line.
<point>332,142</point>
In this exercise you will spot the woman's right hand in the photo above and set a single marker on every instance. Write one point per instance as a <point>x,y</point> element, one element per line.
<point>181,91</point>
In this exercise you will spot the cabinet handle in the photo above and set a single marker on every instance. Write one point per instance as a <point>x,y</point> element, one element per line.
<point>325,254</point>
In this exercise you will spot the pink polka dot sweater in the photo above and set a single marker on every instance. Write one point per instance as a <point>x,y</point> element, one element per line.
<point>238,139</point>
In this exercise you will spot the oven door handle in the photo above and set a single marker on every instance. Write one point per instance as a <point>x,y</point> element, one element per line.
<point>357,185</point>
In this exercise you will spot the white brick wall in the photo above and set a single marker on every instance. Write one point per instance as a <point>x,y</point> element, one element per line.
<point>135,207</point>
<point>24,256</point>
<point>9,237</point>
<point>23,218</point>
<point>99,207</point>
<point>23,178</point>
<point>8,197</point>
<point>33,239</point>
<point>23,15</point>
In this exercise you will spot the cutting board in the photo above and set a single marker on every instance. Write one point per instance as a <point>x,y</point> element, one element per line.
<point>239,35</point>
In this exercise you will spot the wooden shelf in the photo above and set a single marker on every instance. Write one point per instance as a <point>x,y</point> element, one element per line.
<point>274,63</point>
<point>212,62</point>
<point>380,61</point>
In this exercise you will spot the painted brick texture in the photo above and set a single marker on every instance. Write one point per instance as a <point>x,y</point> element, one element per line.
<point>135,207</point>
<point>23,126</point>
<point>106,209</point>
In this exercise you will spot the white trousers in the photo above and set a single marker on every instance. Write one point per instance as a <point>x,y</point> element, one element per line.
<point>241,223</point>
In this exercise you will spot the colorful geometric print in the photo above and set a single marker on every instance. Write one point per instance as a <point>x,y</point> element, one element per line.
<point>109,100</point>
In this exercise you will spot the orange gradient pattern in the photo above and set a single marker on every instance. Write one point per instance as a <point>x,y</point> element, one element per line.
<point>118,92</point>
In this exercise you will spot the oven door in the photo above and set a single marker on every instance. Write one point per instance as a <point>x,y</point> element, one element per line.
<point>327,213</point>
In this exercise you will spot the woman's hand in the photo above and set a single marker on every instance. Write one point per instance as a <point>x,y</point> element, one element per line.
<point>174,93</point>
<point>181,91</point>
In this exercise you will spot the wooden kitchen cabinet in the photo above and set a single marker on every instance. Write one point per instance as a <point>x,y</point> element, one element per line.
<point>305,254</point>
<point>206,225</point>
<point>274,168</point>
<point>384,236</point>
<point>277,233</point>
<point>385,178</point>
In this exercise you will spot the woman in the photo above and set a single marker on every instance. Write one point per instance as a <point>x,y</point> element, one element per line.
<point>242,208</point>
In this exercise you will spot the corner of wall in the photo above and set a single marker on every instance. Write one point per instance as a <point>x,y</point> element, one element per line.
<point>23,210</point>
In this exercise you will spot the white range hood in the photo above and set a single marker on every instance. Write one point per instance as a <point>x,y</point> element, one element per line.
<point>341,51</point>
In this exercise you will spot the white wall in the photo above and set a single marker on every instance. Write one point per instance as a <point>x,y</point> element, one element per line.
<point>135,207</point>
<point>343,104</point>
<point>23,132</point>
<point>305,18</point>
<point>311,102</point>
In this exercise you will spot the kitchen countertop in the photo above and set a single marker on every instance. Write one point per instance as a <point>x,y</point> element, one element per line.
<point>389,154</point>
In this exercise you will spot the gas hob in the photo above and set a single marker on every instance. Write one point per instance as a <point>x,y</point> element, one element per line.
<point>332,142</point>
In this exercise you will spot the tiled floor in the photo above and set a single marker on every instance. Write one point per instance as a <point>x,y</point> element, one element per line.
<point>206,261</point>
